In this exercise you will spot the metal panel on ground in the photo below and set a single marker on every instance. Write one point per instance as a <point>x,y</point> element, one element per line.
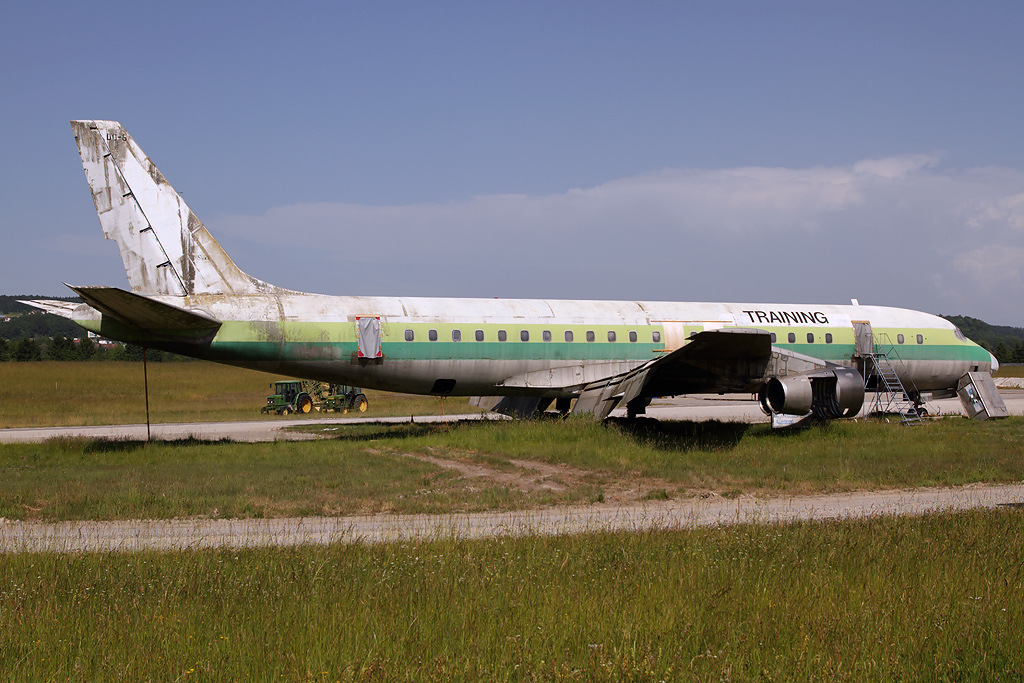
<point>980,397</point>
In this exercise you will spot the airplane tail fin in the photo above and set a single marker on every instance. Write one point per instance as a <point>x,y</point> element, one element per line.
<point>164,247</point>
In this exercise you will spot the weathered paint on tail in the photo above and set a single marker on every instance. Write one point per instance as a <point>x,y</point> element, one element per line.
<point>166,250</point>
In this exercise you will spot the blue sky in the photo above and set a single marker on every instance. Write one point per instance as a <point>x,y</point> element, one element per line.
<point>685,151</point>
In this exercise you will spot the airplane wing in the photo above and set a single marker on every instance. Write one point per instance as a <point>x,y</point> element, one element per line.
<point>731,360</point>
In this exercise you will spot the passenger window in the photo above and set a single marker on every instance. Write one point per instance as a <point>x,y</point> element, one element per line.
<point>899,338</point>
<point>773,338</point>
<point>409,335</point>
<point>432,335</point>
<point>502,335</point>
<point>479,335</point>
<point>546,335</point>
<point>611,335</point>
<point>792,338</point>
<point>810,337</point>
<point>456,335</point>
<point>920,339</point>
<point>656,337</point>
<point>568,335</point>
<point>590,336</point>
<point>524,335</point>
<point>632,336</point>
<point>828,337</point>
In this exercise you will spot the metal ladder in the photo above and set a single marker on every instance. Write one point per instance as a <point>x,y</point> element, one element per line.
<point>894,398</point>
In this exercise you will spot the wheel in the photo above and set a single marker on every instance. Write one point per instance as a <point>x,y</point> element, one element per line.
<point>304,403</point>
<point>360,403</point>
<point>285,411</point>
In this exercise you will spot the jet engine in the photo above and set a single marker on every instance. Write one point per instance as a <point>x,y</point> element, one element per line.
<point>831,393</point>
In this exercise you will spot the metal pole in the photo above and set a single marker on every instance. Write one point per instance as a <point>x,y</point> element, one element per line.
<point>145,381</point>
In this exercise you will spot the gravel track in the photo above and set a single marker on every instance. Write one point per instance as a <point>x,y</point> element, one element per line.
<point>137,535</point>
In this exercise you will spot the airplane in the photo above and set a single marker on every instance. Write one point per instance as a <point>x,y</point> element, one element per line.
<point>514,356</point>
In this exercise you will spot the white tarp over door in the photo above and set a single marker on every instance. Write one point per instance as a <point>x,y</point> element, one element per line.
<point>368,329</point>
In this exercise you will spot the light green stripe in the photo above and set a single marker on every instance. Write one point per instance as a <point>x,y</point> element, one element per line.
<point>309,340</point>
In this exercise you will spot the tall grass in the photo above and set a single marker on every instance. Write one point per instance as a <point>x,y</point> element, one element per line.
<point>838,456</point>
<point>933,598</point>
<point>61,394</point>
<point>366,468</point>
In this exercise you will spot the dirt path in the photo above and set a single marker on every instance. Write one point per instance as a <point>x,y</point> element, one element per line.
<point>637,516</point>
<point>531,476</point>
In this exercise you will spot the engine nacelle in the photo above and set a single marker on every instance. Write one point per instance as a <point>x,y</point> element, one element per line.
<point>831,393</point>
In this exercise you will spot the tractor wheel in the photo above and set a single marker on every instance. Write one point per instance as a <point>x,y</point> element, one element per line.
<point>360,403</point>
<point>304,403</point>
<point>285,411</point>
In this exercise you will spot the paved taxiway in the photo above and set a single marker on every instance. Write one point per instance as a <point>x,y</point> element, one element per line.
<point>695,408</point>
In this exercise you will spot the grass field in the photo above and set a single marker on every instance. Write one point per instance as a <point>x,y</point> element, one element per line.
<point>61,394</point>
<point>935,598</point>
<point>421,468</point>
<point>57,394</point>
<point>50,393</point>
<point>938,598</point>
<point>1005,370</point>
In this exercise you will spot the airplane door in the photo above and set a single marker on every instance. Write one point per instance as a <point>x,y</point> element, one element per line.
<point>368,336</point>
<point>863,347</point>
<point>864,339</point>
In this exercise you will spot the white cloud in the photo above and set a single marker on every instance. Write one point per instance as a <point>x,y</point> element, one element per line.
<point>892,168</point>
<point>992,269</point>
<point>896,230</point>
<point>999,213</point>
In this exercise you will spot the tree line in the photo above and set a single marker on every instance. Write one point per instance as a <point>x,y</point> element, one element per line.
<point>29,334</point>
<point>1004,342</point>
<point>27,349</point>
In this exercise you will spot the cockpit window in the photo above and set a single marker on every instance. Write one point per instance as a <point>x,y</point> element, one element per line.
<point>959,334</point>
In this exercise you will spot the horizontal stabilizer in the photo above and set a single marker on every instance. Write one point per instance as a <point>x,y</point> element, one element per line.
<point>62,308</point>
<point>143,313</point>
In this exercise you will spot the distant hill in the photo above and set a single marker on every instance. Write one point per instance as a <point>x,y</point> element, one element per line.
<point>9,304</point>
<point>25,321</point>
<point>1005,342</point>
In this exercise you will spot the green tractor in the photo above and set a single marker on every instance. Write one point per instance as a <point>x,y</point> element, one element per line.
<point>305,396</point>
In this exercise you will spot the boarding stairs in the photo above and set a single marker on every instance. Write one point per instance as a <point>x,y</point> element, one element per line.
<point>891,396</point>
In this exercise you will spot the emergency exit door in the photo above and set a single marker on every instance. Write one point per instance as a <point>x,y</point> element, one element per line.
<point>368,336</point>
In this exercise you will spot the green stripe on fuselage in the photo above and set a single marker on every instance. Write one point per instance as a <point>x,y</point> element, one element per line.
<point>296,340</point>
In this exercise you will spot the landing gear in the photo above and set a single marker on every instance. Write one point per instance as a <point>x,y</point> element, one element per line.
<point>918,408</point>
<point>638,406</point>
